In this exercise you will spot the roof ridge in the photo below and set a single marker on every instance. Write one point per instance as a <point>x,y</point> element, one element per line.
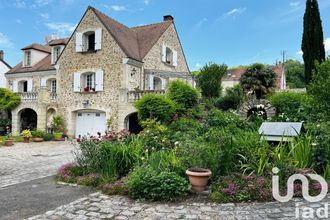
<point>146,25</point>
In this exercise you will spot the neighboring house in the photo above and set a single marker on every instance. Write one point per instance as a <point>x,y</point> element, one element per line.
<point>35,80</point>
<point>233,77</point>
<point>4,67</point>
<point>105,67</point>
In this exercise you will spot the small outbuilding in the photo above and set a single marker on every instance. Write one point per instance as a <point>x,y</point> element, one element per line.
<point>280,131</point>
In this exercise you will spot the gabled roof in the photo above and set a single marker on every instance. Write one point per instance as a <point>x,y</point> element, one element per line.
<point>42,48</point>
<point>43,65</point>
<point>62,41</point>
<point>136,42</point>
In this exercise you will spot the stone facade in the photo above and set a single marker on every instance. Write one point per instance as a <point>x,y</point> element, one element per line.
<point>123,78</point>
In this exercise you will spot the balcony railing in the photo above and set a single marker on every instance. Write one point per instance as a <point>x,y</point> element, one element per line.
<point>28,96</point>
<point>133,96</point>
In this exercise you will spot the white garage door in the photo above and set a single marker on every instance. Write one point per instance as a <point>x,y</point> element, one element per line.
<point>89,123</point>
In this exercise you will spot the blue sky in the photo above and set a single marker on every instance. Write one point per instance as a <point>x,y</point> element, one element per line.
<point>234,32</point>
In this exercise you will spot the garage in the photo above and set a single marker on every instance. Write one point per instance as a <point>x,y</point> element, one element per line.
<point>89,123</point>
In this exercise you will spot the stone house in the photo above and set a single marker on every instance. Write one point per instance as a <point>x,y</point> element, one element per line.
<point>104,67</point>
<point>233,77</point>
<point>35,80</point>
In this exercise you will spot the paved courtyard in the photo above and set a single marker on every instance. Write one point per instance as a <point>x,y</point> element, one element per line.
<point>99,206</point>
<point>24,162</point>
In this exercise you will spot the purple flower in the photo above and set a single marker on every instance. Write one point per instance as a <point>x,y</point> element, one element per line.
<point>248,178</point>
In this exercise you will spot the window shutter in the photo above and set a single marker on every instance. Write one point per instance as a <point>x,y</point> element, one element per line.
<point>164,53</point>
<point>175,58</point>
<point>163,84</point>
<point>29,85</point>
<point>98,39</point>
<point>99,80</point>
<point>43,82</point>
<point>76,82</point>
<point>151,82</point>
<point>15,86</point>
<point>79,42</point>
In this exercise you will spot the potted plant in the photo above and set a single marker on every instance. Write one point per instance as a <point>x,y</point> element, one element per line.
<point>26,135</point>
<point>9,141</point>
<point>198,178</point>
<point>86,89</point>
<point>38,135</point>
<point>58,126</point>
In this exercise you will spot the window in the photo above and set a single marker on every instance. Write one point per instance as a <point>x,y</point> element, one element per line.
<point>28,58</point>
<point>169,56</point>
<point>53,86</point>
<point>157,83</point>
<point>89,40</point>
<point>56,53</point>
<point>23,86</point>
<point>90,81</point>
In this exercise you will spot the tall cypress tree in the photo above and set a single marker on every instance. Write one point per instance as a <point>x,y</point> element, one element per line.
<point>312,42</point>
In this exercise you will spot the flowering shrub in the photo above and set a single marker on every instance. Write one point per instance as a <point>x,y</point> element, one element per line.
<point>91,179</point>
<point>69,172</point>
<point>117,188</point>
<point>26,133</point>
<point>122,135</point>
<point>239,188</point>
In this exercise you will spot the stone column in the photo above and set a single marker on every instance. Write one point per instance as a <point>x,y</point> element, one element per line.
<point>15,125</point>
<point>43,101</point>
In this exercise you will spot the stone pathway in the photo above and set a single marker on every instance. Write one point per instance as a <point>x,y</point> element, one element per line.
<point>100,206</point>
<point>24,162</point>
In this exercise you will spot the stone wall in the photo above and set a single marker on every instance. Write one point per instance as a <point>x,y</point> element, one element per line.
<point>109,59</point>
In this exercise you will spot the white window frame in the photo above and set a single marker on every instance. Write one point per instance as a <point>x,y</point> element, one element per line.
<point>56,53</point>
<point>27,58</point>
<point>53,86</point>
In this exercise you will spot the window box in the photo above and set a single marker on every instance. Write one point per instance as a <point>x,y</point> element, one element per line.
<point>89,89</point>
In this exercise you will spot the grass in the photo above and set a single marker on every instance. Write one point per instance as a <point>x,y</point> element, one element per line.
<point>15,138</point>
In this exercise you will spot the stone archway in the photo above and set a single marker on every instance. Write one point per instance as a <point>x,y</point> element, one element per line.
<point>263,104</point>
<point>132,123</point>
<point>28,119</point>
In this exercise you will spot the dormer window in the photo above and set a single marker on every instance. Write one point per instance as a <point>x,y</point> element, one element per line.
<point>27,58</point>
<point>169,56</point>
<point>56,53</point>
<point>89,41</point>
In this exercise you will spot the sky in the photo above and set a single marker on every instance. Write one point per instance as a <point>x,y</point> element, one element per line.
<point>233,32</point>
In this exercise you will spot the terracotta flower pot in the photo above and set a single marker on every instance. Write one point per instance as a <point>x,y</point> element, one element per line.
<point>198,178</point>
<point>36,139</point>
<point>26,139</point>
<point>9,143</point>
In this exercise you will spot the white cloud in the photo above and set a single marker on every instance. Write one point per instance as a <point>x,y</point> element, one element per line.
<point>234,12</point>
<point>327,44</point>
<point>5,41</point>
<point>44,15</point>
<point>118,7</point>
<point>23,4</point>
<point>200,23</point>
<point>146,2</point>
<point>294,4</point>
<point>61,29</point>
<point>300,53</point>
<point>198,66</point>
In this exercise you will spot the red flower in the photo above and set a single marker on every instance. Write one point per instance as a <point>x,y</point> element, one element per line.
<point>120,137</point>
<point>175,117</point>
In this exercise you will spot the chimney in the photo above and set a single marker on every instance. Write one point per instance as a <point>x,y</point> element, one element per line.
<point>1,54</point>
<point>168,18</point>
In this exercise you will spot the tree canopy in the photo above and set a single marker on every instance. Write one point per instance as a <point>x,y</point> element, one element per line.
<point>210,79</point>
<point>259,79</point>
<point>312,41</point>
<point>295,74</point>
<point>8,99</point>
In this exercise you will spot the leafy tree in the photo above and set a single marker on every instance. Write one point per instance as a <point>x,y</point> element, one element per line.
<point>312,41</point>
<point>319,87</point>
<point>232,99</point>
<point>8,99</point>
<point>210,79</point>
<point>157,107</point>
<point>183,95</point>
<point>295,74</point>
<point>259,79</point>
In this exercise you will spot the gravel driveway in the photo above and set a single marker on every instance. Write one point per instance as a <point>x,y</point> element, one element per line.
<point>28,161</point>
